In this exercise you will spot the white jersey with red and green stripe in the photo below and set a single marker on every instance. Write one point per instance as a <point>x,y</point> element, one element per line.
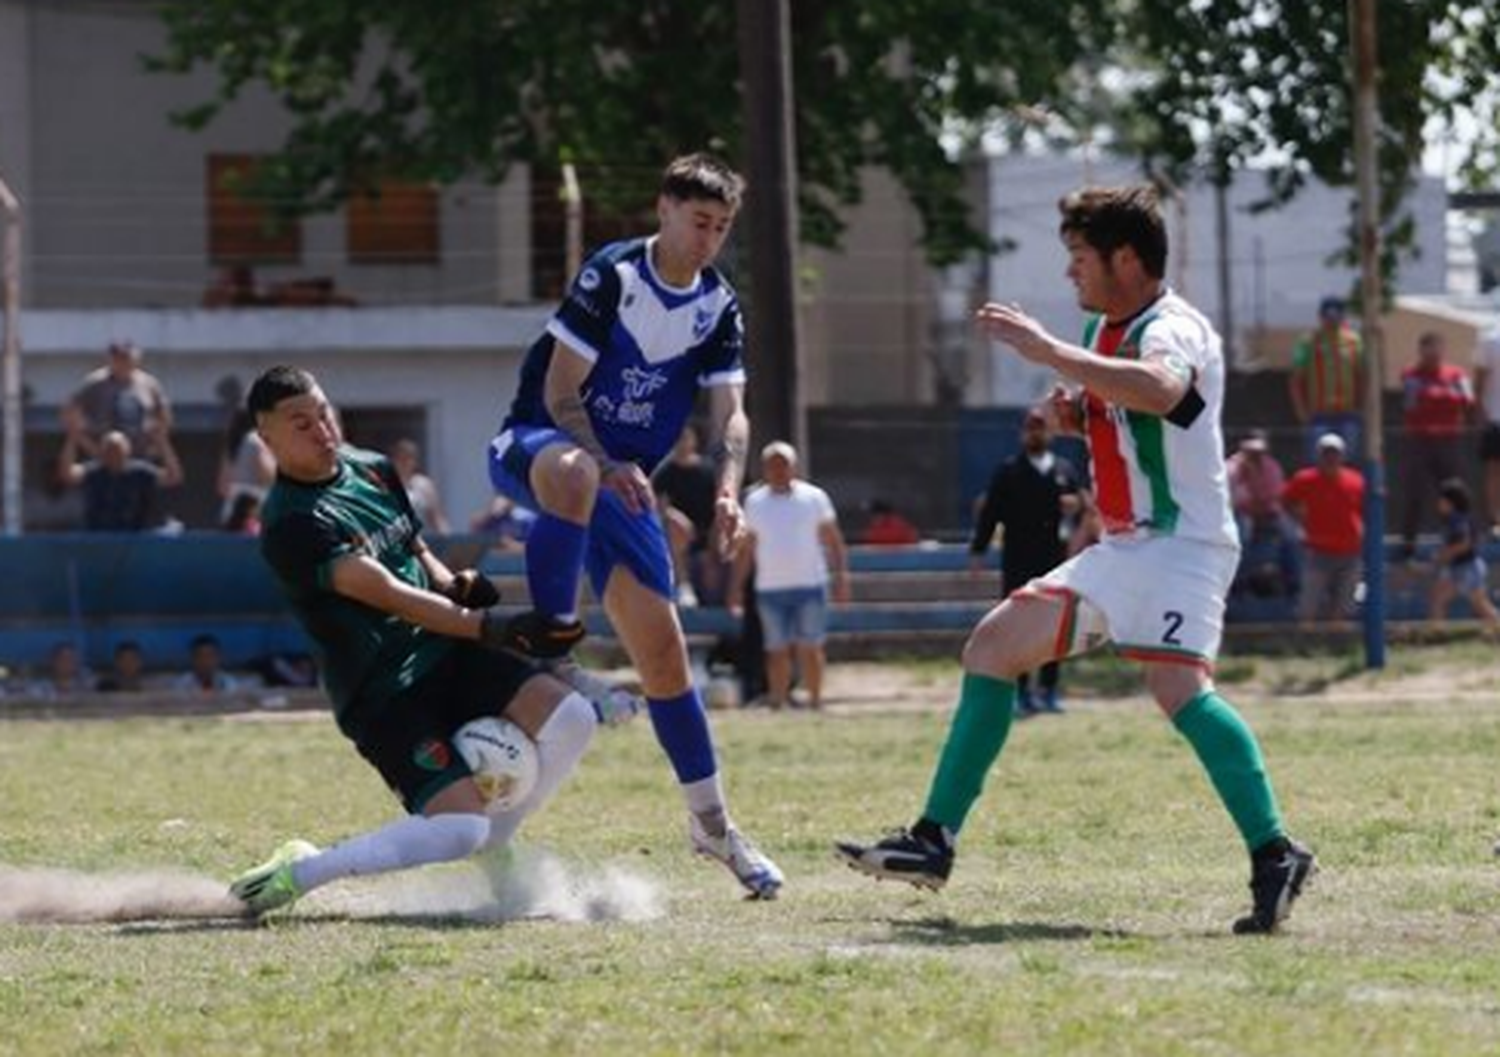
<point>1151,476</point>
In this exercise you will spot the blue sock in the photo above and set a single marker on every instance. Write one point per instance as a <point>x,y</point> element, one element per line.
<point>682,730</point>
<point>554,564</point>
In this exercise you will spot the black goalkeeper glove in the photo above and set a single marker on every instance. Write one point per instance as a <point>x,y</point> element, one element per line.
<point>472,590</point>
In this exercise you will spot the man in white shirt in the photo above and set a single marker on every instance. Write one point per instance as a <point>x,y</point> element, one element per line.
<point>795,541</point>
<point>1487,393</point>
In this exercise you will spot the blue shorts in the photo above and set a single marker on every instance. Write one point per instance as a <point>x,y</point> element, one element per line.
<point>1467,577</point>
<point>793,614</point>
<point>616,536</point>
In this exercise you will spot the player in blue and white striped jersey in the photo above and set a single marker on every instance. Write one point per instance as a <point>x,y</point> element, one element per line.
<point>646,325</point>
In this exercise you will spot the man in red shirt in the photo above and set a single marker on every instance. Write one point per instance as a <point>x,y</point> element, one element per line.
<point>1328,501</point>
<point>1438,400</point>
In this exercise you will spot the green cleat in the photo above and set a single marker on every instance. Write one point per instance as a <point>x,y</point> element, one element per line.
<point>270,885</point>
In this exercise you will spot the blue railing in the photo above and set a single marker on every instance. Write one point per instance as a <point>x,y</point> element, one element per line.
<point>96,590</point>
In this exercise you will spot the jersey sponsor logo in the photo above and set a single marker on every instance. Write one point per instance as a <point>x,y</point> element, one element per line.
<point>432,755</point>
<point>640,384</point>
<point>388,537</point>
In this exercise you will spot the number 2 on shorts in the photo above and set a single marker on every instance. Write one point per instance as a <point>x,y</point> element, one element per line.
<point>1174,625</point>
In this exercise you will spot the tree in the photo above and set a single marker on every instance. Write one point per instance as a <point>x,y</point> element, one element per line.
<point>1223,83</point>
<point>396,87</point>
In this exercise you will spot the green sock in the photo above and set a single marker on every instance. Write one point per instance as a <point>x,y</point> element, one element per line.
<point>1231,755</point>
<point>975,739</point>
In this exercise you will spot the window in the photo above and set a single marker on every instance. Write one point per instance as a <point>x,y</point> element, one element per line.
<point>601,224</point>
<point>395,224</point>
<point>242,230</point>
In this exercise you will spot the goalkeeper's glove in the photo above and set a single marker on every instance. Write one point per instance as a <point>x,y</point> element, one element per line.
<point>472,589</point>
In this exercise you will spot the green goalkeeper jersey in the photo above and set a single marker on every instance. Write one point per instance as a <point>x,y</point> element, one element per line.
<point>365,657</point>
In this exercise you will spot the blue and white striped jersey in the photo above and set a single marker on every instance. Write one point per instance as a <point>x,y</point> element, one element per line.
<point>652,347</point>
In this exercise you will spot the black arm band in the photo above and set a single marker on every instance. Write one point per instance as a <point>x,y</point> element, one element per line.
<point>1188,409</point>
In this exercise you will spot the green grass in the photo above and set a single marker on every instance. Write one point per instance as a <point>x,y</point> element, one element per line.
<point>1088,914</point>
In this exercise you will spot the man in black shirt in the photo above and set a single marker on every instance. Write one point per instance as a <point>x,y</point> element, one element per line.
<point>1030,494</point>
<point>686,488</point>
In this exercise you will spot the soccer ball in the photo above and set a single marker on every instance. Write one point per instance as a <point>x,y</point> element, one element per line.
<point>503,759</point>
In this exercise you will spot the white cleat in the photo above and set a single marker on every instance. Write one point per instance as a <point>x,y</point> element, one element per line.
<point>751,867</point>
<point>613,705</point>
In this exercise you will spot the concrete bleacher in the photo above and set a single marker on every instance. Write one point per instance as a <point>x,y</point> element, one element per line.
<point>96,590</point>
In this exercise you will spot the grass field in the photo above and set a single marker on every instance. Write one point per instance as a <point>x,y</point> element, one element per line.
<point>1088,914</point>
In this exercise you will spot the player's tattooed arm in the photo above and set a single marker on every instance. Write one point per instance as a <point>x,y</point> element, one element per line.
<point>729,445</point>
<point>729,440</point>
<point>566,376</point>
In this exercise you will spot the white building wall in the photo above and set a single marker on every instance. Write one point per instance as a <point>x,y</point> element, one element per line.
<point>1279,258</point>
<point>461,365</point>
<point>118,211</point>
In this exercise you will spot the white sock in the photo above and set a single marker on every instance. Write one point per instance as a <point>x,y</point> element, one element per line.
<point>705,799</point>
<point>560,744</point>
<point>415,840</point>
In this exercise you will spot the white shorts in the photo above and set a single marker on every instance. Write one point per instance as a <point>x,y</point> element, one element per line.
<point>1157,598</point>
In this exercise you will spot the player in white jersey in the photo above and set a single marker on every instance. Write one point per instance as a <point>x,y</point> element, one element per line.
<point>1147,388</point>
<point>604,394</point>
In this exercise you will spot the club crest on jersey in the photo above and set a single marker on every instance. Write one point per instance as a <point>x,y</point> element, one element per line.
<point>588,279</point>
<point>432,755</point>
<point>703,322</point>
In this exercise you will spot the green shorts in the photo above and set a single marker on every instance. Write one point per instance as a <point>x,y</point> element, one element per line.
<point>409,738</point>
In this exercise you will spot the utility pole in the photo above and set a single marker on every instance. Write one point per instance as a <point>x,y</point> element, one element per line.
<point>10,370</point>
<point>1366,115</point>
<point>774,357</point>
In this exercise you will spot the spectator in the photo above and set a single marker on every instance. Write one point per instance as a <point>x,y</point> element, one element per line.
<point>206,674</point>
<point>65,675</point>
<point>246,467</point>
<point>1487,396</point>
<point>406,456</point>
<point>1327,378</point>
<point>888,527</point>
<point>686,486</point>
<point>119,491</point>
<point>1461,570</point>
<point>128,673</point>
<point>1438,402</point>
<point>120,396</point>
<point>794,542</point>
<point>1268,563</point>
<point>1256,481</point>
<point>297,670</point>
<point>1030,494</point>
<point>244,515</point>
<point>505,522</point>
<point>1327,499</point>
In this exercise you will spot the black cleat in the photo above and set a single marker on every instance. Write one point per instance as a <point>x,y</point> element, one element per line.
<point>541,637</point>
<point>902,855</point>
<point>1276,878</point>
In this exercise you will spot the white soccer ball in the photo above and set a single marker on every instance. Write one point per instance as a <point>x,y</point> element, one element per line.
<point>503,759</point>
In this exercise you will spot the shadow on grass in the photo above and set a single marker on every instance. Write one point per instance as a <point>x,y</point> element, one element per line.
<point>945,932</point>
<point>431,922</point>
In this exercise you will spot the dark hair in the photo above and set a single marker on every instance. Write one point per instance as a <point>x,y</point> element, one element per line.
<point>205,639</point>
<point>128,646</point>
<point>277,384</point>
<point>1456,492</point>
<point>697,177</point>
<point>1108,218</point>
